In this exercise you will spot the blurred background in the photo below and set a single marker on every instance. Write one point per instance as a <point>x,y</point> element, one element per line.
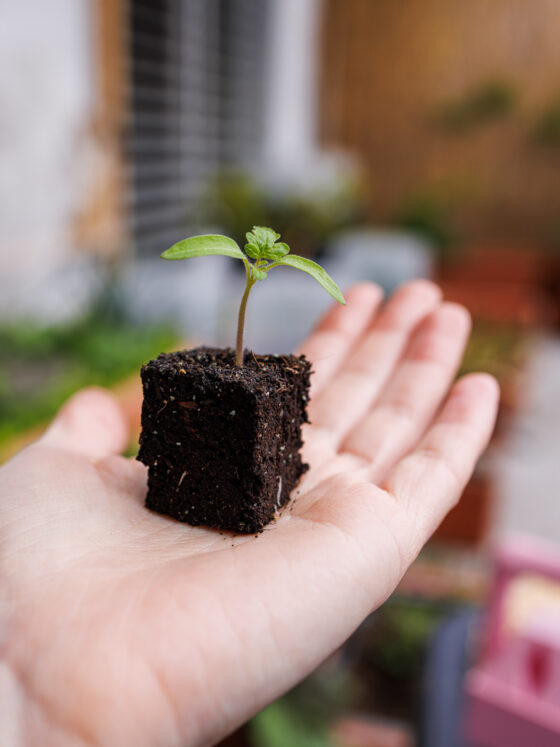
<point>390,140</point>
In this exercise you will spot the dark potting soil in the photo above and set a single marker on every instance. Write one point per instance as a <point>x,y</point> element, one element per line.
<point>222,441</point>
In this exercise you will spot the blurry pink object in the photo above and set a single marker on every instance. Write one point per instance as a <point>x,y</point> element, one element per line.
<point>513,693</point>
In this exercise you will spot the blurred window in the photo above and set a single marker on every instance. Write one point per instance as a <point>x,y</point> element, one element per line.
<point>196,70</point>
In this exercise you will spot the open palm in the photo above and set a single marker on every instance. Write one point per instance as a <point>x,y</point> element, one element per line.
<point>122,627</point>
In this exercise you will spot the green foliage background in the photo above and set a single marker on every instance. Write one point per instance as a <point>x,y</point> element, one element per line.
<point>41,366</point>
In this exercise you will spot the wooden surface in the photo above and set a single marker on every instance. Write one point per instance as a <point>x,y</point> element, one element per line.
<point>388,67</point>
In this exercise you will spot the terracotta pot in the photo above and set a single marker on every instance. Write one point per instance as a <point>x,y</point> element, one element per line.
<point>498,263</point>
<point>522,304</point>
<point>468,522</point>
<point>553,285</point>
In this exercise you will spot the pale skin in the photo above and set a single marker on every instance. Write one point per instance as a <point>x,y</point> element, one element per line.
<point>122,627</point>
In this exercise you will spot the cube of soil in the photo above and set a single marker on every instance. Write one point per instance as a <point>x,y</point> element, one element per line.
<point>222,441</point>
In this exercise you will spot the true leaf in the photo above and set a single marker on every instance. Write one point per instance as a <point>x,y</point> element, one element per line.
<point>277,251</point>
<point>203,246</point>
<point>258,274</point>
<point>253,251</point>
<point>317,272</point>
<point>263,237</point>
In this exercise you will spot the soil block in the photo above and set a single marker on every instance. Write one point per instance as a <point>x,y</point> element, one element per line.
<point>222,442</point>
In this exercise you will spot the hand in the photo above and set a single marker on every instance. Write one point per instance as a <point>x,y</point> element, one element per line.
<point>122,627</point>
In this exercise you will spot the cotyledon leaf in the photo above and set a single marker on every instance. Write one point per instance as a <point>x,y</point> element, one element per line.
<point>204,246</point>
<point>316,271</point>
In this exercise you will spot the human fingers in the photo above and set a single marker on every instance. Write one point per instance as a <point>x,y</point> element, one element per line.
<point>338,331</point>
<point>413,395</point>
<point>370,364</point>
<point>91,423</point>
<point>429,481</point>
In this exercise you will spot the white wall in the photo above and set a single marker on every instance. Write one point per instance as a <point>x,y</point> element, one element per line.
<point>46,96</point>
<point>290,140</point>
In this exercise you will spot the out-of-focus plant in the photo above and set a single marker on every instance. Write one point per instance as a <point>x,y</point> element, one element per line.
<point>281,724</point>
<point>491,100</point>
<point>305,217</point>
<point>42,366</point>
<point>232,201</point>
<point>430,216</point>
<point>399,636</point>
<point>498,349</point>
<point>304,715</point>
<point>546,131</point>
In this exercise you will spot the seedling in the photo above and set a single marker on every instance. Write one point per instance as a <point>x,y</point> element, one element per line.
<point>222,442</point>
<point>263,252</point>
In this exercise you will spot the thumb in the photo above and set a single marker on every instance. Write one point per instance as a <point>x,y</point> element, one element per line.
<point>91,423</point>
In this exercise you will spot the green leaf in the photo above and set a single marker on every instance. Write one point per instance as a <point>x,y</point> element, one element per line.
<point>203,246</point>
<point>257,273</point>
<point>253,251</point>
<point>263,237</point>
<point>317,272</point>
<point>277,251</point>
